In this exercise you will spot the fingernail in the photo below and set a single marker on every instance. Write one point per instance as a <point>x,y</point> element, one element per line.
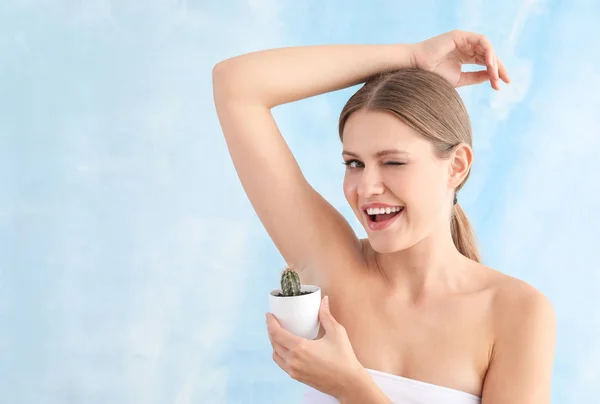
<point>326,302</point>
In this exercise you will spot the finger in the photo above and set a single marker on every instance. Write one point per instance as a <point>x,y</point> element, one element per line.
<point>281,358</point>
<point>476,59</point>
<point>492,69</point>
<point>279,361</point>
<point>480,45</point>
<point>282,351</point>
<point>502,72</point>
<point>483,46</point>
<point>496,77</point>
<point>278,347</point>
<point>329,323</point>
<point>283,364</point>
<point>279,335</point>
<point>479,60</point>
<point>272,329</point>
<point>469,78</point>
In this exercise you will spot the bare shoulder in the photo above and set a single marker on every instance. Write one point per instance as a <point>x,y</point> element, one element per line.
<point>511,300</point>
<point>522,356</point>
<point>516,301</point>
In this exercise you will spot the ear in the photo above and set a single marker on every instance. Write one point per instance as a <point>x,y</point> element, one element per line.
<point>460,164</point>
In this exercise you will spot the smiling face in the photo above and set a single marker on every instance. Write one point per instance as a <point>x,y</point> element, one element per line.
<point>414,178</point>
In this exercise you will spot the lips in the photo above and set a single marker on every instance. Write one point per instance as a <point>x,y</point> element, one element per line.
<point>373,225</point>
<point>372,217</point>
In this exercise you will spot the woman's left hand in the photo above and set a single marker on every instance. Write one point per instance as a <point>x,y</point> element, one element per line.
<point>327,364</point>
<point>446,53</point>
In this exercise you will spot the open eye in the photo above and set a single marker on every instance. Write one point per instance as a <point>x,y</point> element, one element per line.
<point>349,162</point>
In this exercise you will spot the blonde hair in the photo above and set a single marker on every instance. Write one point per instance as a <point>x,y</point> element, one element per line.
<point>429,104</point>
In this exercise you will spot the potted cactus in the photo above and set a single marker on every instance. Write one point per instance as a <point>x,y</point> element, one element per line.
<point>296,306</point>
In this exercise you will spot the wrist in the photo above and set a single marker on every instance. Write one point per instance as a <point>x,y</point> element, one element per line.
<point>407,52</point>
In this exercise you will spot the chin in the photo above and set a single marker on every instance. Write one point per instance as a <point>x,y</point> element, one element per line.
<point>386,245</point>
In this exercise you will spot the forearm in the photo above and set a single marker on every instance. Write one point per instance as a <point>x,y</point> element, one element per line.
<point>363,389</point>
<point>282,75</point>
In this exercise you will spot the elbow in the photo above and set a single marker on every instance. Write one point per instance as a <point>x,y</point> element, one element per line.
<point>220,70</point>
<point>223,82</point>
<point>227,83</point>
<point>232,82</point>
<point>219,78</point>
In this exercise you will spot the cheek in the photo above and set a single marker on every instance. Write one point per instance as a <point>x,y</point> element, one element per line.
<point>408,188</point>
<point>349,184</point>
<point>425,201</point>
<point>349,189</point>
<point>420,194</point>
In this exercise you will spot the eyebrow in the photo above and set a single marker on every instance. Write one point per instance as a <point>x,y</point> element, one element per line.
<point>379,153</point>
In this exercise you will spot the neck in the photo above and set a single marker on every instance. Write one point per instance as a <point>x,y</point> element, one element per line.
<point>433,266</point>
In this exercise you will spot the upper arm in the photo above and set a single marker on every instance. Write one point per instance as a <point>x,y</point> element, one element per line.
<point>307,230</point>
<point>520,371</point>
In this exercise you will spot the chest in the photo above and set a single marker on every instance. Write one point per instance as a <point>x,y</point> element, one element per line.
<point>445,342</point>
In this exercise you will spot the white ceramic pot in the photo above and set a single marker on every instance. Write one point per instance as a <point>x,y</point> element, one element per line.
<point>298,314</point>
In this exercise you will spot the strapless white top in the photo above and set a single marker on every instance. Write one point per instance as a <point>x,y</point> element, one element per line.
<point>401,390</point>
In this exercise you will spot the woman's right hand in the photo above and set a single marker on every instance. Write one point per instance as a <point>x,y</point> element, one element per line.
<point>446,53</point>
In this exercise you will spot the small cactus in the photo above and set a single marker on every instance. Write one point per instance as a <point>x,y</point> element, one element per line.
<point>290,282</point>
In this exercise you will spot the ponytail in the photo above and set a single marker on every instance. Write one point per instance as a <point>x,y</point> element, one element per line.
<point>463,234</point>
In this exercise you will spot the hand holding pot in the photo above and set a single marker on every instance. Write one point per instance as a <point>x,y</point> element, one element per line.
<point>327,364</point>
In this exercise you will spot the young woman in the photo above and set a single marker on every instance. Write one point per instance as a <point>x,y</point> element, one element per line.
<point>414,317</point>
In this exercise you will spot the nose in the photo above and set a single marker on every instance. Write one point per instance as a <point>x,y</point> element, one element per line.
<point>369,184</point>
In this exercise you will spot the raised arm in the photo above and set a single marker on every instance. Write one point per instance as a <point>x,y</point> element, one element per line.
<point>278,76</point>
<point>301,223</point>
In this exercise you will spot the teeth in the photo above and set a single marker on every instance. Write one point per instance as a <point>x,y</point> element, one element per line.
<point>380,211</point>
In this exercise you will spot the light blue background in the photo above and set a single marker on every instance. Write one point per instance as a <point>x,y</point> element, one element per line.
<point>132,266</point>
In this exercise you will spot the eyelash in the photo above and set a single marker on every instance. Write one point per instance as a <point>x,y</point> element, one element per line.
<point>393,163</point>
